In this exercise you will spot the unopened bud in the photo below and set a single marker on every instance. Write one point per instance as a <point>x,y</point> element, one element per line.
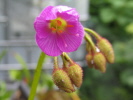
<point>99,61</point>
<point>76,74</point>
<point>106,48</point>
<point>89,59</point>
<point>62,80</point>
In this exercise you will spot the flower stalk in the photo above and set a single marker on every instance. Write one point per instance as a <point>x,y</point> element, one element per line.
<point>67,58</point>
<point>93,33</point>
<point>88,39</point>
<point>36,76</point>
<point>65,63</point>
<point>56,63</point>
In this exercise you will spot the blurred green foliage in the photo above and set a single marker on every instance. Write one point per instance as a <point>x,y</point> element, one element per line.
<point>112,19</point>
<point>2,54</point>
<point>26,75</point>
<point>3,92</point>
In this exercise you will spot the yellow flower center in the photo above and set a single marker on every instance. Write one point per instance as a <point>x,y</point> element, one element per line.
<point>58,25</point>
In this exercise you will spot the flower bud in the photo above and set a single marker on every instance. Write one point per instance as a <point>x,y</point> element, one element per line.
<point>106,48</point>
<point>89,59</point>
<point>62,80</point>
<point>99,61</point>
<point>75,73</point>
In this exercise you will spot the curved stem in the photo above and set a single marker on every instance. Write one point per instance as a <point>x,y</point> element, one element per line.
<point>36,76</point>
<point>88,48</point>
<point>67,58</point>
<point>96,35</point>
<point>88,39</point>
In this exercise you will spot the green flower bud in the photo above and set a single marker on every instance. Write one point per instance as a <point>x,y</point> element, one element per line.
<point>62,80</point>
<point>106,48</point>
<point>99,61</point>
<point>75,73</point>
<point>89,59</point>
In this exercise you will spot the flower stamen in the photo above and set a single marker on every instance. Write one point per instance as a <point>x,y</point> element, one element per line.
<point>58,25</point>
<point>59,31</point>
<point>53,29</point>
<point>70,26</point>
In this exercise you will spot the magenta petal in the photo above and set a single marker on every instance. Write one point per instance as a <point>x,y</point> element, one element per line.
<point>41,28</point>
<point>47,13</point>
<point>41,22</point>
<point>70,42</point>
<point>73,29</point>
<point>49,45</point>
<point>61,8</point>
<point>69,15</point>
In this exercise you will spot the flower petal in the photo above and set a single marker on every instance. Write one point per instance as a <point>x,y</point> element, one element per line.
<point>70,42</point>
<point>49,45</point>
<point>72,27</point>
<point>41,28</point>
<point>69,15</point>
<point>61,8</point>
<point>47,13</point>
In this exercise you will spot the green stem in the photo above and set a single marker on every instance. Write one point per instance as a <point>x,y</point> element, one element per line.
<point>36,76</point>
<point>56,63</point>
<point>88,39</point>
<point>67,58</point>
<point>65,63</point>
<point>96,35</point>
<point>88,48</point>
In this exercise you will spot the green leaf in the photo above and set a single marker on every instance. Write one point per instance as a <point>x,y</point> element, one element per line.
<point>107,15</point>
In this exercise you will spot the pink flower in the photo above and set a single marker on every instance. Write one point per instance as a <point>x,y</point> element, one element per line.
<point>58,30</point>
